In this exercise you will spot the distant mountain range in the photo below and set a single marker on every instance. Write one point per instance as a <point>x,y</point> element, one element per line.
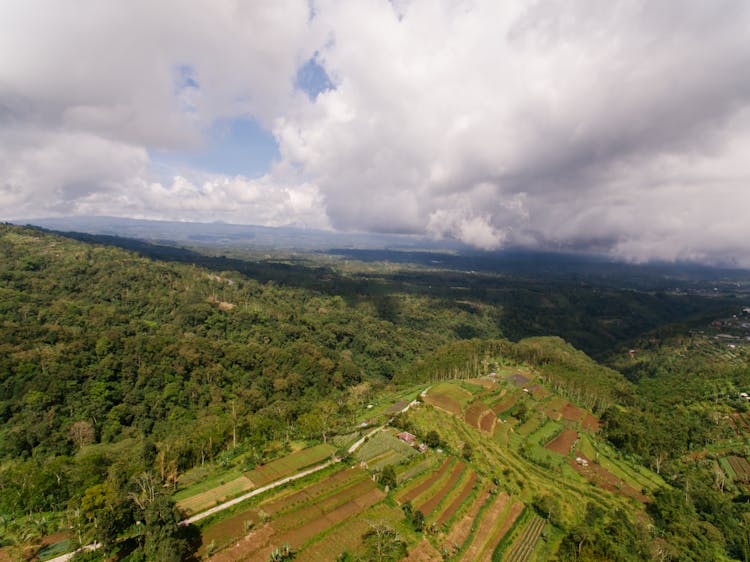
<point>219,233</point>
<point>398,248</point>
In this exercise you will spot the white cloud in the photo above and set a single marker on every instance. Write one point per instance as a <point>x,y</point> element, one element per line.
<point>610,126</point>
<point>590,125</point>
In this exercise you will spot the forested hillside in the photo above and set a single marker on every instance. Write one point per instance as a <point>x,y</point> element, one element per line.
<point>131,385</point>
<point>129,346</point>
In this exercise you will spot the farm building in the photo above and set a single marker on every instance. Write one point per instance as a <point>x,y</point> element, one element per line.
<point>407,437</point>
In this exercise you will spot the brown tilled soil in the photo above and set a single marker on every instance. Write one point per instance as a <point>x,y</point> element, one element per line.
<point>414,492</point>
<point>427,507</point>
<point>563,442</point>
<point>423,552</point>
<point>461,531</point>
<point>572,413</point>
<point>590,423</point>
<point>486,526</point>
<point>486,383</point>
<point>259,544</point>
<point>539,392</point>
<point>444,402</point>
<point>513,513</point>
<point>474,413</point>
<point>460,499</point>
<point>505,404</point>
<point>606,480</point>
<point>488,421</point>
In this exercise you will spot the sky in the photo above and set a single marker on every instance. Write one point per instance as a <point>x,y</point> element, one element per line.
<point>620,128</point>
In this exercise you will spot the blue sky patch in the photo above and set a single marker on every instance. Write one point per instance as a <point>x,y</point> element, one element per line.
<point>313,79</point>
<point>233,147</point>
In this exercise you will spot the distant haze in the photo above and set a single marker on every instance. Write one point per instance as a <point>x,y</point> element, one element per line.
<point>620,128</point>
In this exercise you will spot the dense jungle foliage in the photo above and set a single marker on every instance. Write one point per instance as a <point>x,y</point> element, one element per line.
<point>120,371</point>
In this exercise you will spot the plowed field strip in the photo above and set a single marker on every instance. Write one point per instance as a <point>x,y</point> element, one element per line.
<point>460,532</point>
<point>572,413</point>
<point>347,504</point>
<point>428,506</point>
<point>313,511</point>
<point>444,402</point>
<point>330,485</point>
<point>486,526</point>
<point>474,412</point>
<point>412,493</point>
<point>487,422</point>
<point>460,499</point>
<point>505,404</point>
<point>563,442</point>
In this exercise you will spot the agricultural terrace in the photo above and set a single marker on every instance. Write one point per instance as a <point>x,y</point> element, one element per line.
<point>288,465</point>
<point>740,467</point>
<point>523,547</point>
<point>473,506</point>
<point>449,397</point>
<point>214,496</point>
<point>518,475</point>
<point>382,449</point>
<point>495,521</point>
<point>478,415</point>
<point>563,443</point>
<point>292,517</point>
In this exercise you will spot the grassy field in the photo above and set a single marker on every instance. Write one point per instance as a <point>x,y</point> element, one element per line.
<point>202,479</point>
<point>214,496</point>
<point>384,445</point>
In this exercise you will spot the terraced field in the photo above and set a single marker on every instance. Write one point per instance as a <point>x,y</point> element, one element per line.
<point>448,397</point>
<point>296,518</point>
<point>740,467</point>
<point>461,531</point>
<point>496,520</point>
<point>421,485</point>
<point>478,415</point>
<point>209,498</point>
<point>288,465</point>
<point>382,449</point>
<point>436,493</point>
<point>563,442</point>
<point>523,547</point>
<point>451,508</point>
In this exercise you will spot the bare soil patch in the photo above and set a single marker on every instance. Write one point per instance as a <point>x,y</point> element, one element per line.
<point>412,493</point>
<point>423,552</point>
<point>603,478</point>
<point>486,383</point>
<point>572,413</point>
<point>590,423</point>
<point>459,500</point>
<point>488,421</point>
<point>474,412</point>
<point>510,518</point>
<point>461,531</point>
<point>444,402</point>
<point>563,442</point>
<point>486,526</point>
<point>428,506</point>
